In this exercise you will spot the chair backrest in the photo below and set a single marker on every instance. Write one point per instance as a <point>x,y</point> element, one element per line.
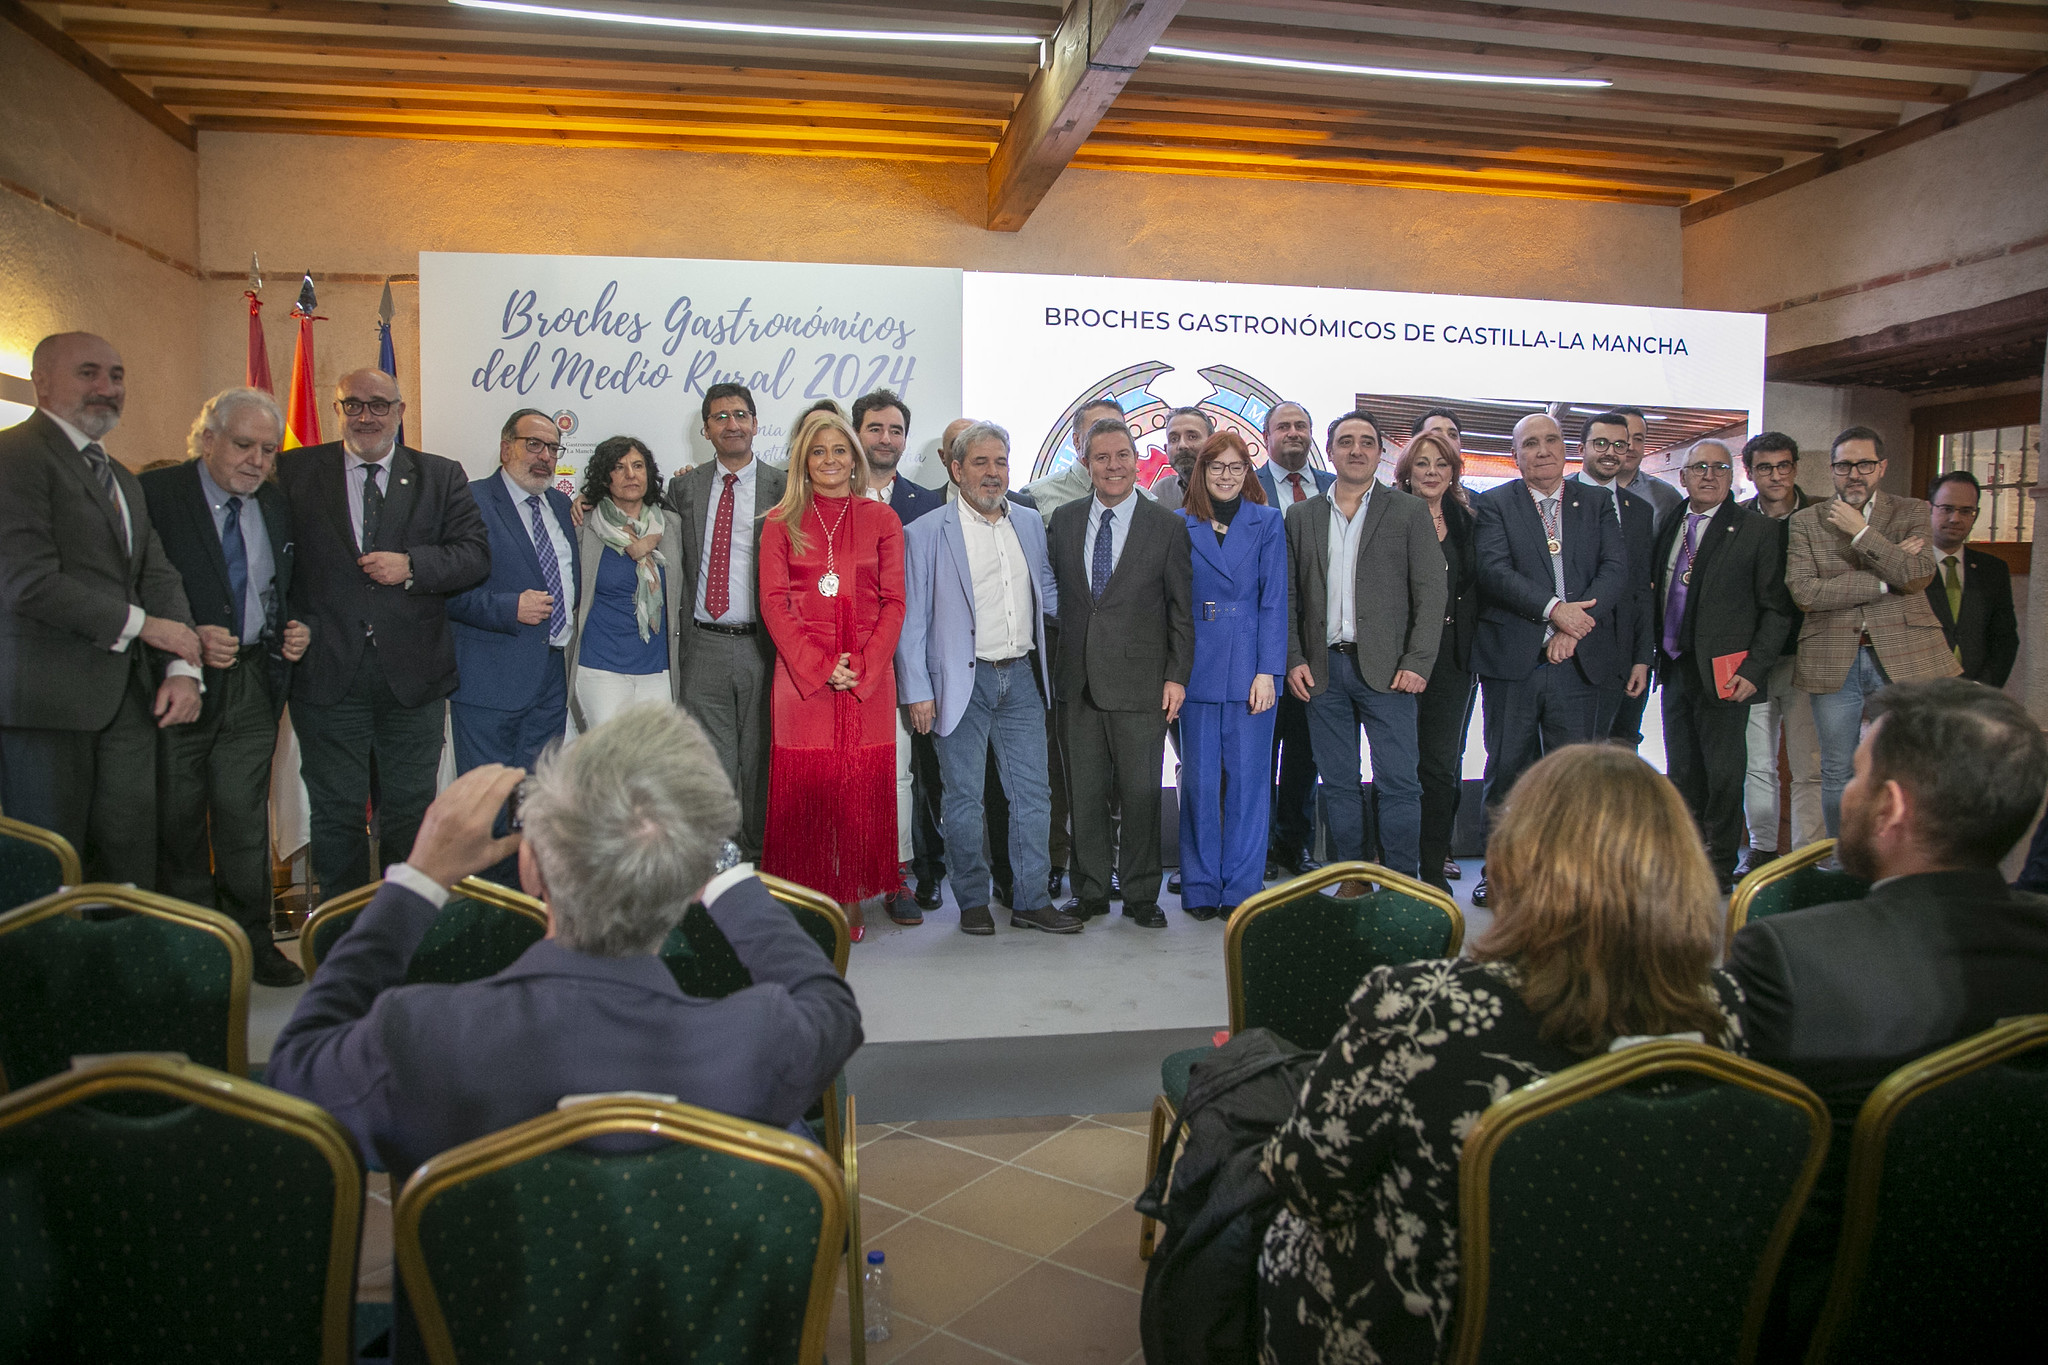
<point>166,977</point>
<point>712,1237</point>
<point>1792,882</point>
<point>159,1210</point>
<point>704,964</point>
<point>1634,1207</point>
<point>1945,1223</point>
<point>34,862</point>
<point>1293,958</point>
<point>482,930</point>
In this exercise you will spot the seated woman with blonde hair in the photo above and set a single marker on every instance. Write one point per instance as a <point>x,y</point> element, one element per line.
<point>1604,928</point>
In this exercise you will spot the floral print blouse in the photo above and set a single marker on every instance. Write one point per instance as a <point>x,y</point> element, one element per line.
<point>1361,1264</point>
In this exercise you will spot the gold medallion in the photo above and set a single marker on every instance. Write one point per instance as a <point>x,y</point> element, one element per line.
<point>1555,548</point>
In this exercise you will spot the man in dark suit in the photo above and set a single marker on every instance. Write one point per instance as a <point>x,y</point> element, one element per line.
<point>1125,579</point>
<point>1948,774</point>
<point>1376,547</point>
<point>1289,481</point>
<point>1603,448</point>
<point>1781,709</point>
<point>83,577</point>
<point>386,535</point>
<point>229,532</point>
<point>512,630</point>
<point>1972,591</point>
<point>727,659</point>
<point>882,421</point>
<point>1552,570</point>
<point>411,1071</point>
<point>1721,582</point>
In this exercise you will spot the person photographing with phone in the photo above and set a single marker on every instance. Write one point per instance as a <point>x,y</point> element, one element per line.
<point>1722,617</point>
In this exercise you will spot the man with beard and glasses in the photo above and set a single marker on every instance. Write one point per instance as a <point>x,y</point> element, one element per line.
<point>1290,437</point>
<point>1603,459</point>
<point>387,534</point>
<point>1661,495</point>
<point>1772,460</point>
<point>83,576</point>
<point>1857,565</point>
<point>1948,775</point>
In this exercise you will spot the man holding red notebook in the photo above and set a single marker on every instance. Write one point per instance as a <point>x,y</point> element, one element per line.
<point>1722,616</point>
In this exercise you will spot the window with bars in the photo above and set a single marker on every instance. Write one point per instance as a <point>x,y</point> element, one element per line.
<point>2006,461</point>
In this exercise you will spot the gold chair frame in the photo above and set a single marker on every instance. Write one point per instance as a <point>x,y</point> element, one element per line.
<point>1584,1081</point>
<point>1776,870</point>
<point>224,1094</point>
<point>2007,1039</point>
<point>856,1310</point>
<point>761,1143</point>
<point>470,888</point>
<point>241,961</point>
<point>1330,874</point>
<point>798,897</point>
<point>71,872</point>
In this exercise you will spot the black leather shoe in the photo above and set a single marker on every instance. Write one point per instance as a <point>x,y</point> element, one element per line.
<point>1752,859</point>
<point>1480,896</point>
<point>1047,919</point>
<point>1084,910</point>
<point>1173,885</point>
<point>1056,883</point>
<point>1451,870</point>
<point>1116,887</point>
<point>1003,894</point>
<point>976,920</point>
<point>1203,912</point>
<point>272,968</point>
<point>1146,916</point>
<point>927,895</point>
<point>902,909</point>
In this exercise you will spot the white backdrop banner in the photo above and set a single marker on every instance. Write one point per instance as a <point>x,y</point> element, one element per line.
<point>615,345</point>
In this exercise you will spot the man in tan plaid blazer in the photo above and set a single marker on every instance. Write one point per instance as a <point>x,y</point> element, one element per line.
<point>1858,564</point>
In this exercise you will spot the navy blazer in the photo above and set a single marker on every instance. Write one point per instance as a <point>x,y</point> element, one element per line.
<point>414,1070</point>
<point>911,500</point>
<point>1988,636</point>
<point>498,661</point>
<point>1240,604</point>
<point>1324,478</point>
<point>1636,617</point>
<point>1515,580</point>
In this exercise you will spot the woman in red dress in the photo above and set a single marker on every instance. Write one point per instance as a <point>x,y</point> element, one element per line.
<point>832,600</point>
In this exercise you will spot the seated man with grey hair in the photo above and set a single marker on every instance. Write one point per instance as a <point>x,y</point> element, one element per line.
<point>623,829</point>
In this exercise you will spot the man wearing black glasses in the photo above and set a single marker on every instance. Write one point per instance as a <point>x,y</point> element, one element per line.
<point>1772,461</point>
<point>1721,617</point>
<point>1604,447</point>
<point>386,535</point>
<point>1857,565</point>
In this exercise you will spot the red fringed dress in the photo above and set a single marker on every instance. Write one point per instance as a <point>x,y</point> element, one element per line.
<point>832,764</point>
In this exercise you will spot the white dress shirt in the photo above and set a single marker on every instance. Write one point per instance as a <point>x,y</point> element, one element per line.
<point>739,607</point>
<point>357,476</point>
<point>552,524</point>
<point>1119,531</point>
<point>1003,607</point>
<point>1556,560</point>
<point>1341,609</point>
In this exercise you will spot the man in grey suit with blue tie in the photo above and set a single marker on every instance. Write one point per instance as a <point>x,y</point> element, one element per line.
<point>971,666</point>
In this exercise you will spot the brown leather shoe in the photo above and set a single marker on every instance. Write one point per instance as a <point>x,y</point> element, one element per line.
<point>1352,890</point>
<point>976,920</point>
<point>1048,919</point>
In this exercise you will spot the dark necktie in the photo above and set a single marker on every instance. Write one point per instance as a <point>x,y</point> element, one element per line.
<point>103,470</point>
<point>236,554</point>
<point>373,506</point>
<point>1681,583</point>
<point>1300,493</point>
<point>550,569</point>
<point>1952,585</point>
<point>718,583</point>
<point>1098,574</point>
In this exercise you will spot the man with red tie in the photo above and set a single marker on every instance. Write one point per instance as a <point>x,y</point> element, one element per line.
<point>727,659</point>
<point>1290,439</point>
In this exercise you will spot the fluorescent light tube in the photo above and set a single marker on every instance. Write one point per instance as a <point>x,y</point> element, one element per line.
<point>1346,69</point>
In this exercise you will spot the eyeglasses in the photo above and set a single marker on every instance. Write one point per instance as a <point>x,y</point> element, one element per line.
<point>536,446</point>
<point>1943,510</point>
<point>729,415</point>
<point>1771,467</point>
<point>1600,445</point>
<point>1846,467</point>
<point>376,407</point>
<point>1706,468</point>
<point>1228,471</point>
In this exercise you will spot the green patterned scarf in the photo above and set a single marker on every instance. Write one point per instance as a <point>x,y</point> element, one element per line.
<point>617,533</point>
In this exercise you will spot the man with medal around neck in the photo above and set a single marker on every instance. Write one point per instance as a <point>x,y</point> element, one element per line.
<point>1722,617</point>
<point>1552,569</point>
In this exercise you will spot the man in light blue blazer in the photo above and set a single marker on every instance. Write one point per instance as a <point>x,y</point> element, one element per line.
<point>971,666</point>
<point>512,630</point>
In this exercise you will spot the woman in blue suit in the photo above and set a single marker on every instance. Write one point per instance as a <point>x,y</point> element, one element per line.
<point>1226,724</point>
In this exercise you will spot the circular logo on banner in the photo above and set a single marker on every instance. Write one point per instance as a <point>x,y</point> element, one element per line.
<point>1236,402</point>
<point>567,421</point>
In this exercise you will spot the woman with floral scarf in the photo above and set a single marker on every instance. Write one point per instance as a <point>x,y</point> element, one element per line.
<point>624,647</point>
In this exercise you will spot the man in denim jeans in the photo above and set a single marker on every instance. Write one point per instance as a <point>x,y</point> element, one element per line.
<point>971,668</point>
<point>1857,565</point>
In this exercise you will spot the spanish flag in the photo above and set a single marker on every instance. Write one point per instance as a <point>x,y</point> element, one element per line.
<point>302,409</point>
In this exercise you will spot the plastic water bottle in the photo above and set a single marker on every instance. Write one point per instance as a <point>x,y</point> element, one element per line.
<point>874,1295</point>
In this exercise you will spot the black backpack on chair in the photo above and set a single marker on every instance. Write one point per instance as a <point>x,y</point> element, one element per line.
<point>1213,1204</point>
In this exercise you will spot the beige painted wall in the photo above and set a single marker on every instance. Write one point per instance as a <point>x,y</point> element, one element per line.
<point>378,203</point>
<point>78,146</point>
<point>1971,189</point>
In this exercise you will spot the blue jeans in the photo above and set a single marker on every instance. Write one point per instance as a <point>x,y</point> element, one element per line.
<point>1334,719</point>
<point>1006,714</point>
<point>1838,721</point>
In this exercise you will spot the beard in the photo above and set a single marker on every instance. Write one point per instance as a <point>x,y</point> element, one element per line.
<point>1855,849</point>
<point>366,453</point>
<point>97,419</point>
<point>975,497</point>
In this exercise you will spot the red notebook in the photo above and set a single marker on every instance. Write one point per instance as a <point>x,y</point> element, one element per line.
<point>1724,672</point>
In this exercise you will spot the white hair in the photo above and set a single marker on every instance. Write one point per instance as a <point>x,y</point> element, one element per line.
<point>974,435</point>
<point>222,409</point>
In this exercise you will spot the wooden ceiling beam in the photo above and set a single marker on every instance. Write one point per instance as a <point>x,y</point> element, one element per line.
<point>1976,16</point>
<point>1628,28</point>
<point>1349,44</point>
<point>1095,50</point>
<point>1104,159</point>
<point>95,69</point>
<point>583,137</point>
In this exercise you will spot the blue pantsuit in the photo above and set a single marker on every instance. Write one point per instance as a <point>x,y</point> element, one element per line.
<point>1240,606</point>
